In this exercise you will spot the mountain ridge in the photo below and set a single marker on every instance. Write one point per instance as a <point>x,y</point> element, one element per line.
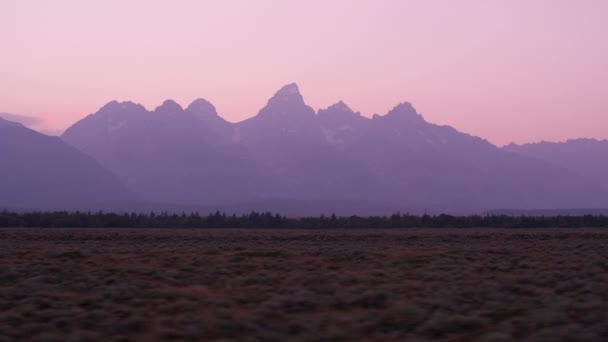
<point>289,153</point>
<point>587,157</point>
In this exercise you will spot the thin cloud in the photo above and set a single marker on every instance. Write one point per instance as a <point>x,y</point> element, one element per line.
<point>22,119</point>
<point>33,122</point>
<point>51,132</point>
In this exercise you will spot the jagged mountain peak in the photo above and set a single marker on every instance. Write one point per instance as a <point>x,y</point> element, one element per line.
<point>202,107</point>
<point>338,112</point>
<point>169,107</point>
<point>114,109</point>
<point>340,106</point>
<point>289,93</point>
<point>403,112</point>
<point>288,90</point>
<point>287,104</point>
<point>115,106</point>
<point>404,108</point>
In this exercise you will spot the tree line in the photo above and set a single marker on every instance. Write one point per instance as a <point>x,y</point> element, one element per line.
<point>65,219</point>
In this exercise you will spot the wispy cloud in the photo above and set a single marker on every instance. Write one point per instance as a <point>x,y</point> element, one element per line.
<point>51,132</point>
<point>33,122</point>
<point>28,121</point>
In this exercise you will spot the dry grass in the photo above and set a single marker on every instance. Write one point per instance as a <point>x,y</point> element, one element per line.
<point>274,285</point>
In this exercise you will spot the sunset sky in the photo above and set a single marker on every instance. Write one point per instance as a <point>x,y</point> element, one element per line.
<point>512,70</point>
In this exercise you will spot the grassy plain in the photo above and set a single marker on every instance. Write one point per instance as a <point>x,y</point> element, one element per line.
<point>303,285</point>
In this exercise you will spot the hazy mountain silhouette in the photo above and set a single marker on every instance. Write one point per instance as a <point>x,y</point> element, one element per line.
<point>169,155</point>
<point>333,160</point>
<point>44,172</point>
<point>587,157</point>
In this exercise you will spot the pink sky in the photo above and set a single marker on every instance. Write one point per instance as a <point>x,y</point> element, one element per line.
<point>512,70</point>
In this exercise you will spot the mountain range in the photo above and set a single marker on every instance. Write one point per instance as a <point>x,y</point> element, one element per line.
<point>291,159</point>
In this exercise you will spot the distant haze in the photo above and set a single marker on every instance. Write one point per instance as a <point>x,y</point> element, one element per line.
<point>519,71</point>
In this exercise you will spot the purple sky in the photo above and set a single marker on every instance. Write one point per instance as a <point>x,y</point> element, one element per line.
<point>515,70</point>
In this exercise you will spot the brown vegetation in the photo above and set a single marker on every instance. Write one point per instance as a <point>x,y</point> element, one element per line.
<point>274,285</point>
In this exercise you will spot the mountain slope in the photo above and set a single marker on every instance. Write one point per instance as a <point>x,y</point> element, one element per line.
<point>41,172</point>
<point>587,157</point>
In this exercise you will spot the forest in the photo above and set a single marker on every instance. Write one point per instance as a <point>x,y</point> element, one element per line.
<point>65,219</point>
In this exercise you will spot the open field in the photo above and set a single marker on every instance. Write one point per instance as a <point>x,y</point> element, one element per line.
<point>274,285</point>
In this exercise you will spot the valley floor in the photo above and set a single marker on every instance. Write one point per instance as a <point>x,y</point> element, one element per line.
<point>277,285</point>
